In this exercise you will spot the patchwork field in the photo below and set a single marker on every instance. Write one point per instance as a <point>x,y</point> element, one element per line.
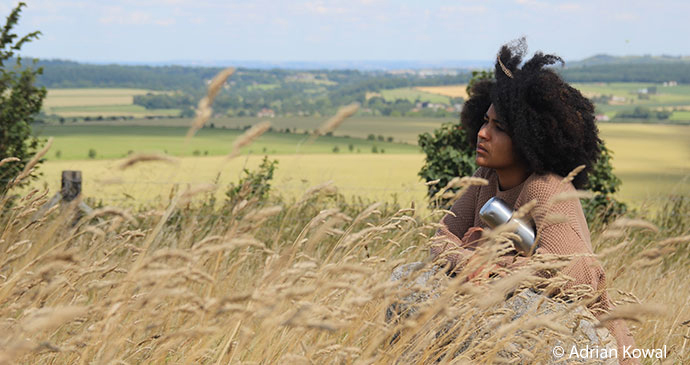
<point>403,129</point>
<point>413,95</point>
<point>99,102</point>
<point>673,98</point>
<point>652,161</point>
<point>454,91</point>
<point>109,141</point>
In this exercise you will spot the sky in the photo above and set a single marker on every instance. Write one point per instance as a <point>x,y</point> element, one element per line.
<point>154,31</point>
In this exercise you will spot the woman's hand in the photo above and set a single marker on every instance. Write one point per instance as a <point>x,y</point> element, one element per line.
<point>472,237</point>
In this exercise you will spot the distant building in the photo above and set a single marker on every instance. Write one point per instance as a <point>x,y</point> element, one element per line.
<point>602,118</point>
<point>266,113</point>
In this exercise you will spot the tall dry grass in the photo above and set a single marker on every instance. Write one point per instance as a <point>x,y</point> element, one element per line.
<point>304,281</point>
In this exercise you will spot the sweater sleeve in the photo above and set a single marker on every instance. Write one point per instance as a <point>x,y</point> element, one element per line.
<point>463,210</point>
<point>447,247</point>
<point>561,239</point>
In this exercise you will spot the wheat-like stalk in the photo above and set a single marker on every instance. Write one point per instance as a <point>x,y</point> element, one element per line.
<point>204,111</point>
<point>144,157</point>
<point>8,159</point>
<point>569,178</point>
<point>28,168</point>
<point>334,122</point>
<point>248,137</point>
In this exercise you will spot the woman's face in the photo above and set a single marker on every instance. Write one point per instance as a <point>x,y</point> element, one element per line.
<point>494,146</point>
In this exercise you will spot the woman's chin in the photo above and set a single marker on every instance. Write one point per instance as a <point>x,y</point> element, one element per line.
<point>480,161</point>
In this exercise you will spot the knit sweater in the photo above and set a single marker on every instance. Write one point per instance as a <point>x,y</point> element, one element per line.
<point>565,236</point>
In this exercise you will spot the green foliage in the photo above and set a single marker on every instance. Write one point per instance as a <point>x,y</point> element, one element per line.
<point>448,155</point>
<point>163,101</point>
<point>92,153</point>
<point>649,72</point>
<point>603,183</point>
<point>478,76</point>
<point>253,185</point>
<point>20,99</point>
<point>641,112</point>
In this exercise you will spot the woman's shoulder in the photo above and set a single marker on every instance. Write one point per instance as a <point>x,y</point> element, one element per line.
<point>546,186</point>
<point>551,195</point>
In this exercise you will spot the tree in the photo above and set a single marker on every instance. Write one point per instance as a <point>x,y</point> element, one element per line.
<point>20,99</point>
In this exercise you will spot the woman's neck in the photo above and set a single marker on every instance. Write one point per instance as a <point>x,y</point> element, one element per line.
<point>511,177</point>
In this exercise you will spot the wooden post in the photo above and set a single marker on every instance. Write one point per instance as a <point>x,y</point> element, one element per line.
<point>71,185</point>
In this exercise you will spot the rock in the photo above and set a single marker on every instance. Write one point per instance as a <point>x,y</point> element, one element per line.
<point>522,347</point>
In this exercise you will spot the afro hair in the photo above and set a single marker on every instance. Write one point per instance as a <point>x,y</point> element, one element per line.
<point>551,124</point>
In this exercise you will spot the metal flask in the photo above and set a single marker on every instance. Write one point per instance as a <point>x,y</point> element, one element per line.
<point>495,213</point>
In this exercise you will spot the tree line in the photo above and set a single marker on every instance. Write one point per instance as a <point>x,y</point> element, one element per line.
<point>252,92</point>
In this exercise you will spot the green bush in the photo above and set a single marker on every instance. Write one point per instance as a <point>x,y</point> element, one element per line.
<point>448,154</point>
<point>253,185</point>
<point>603,183</point>
<point>20,98</point>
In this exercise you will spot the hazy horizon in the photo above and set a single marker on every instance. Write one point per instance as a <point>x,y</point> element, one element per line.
<point>160,31</point>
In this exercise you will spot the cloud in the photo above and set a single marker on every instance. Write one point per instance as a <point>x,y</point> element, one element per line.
<point>626,17</point>
<point>118,16</point>
<point>319,7</point>
<point>569,7</point>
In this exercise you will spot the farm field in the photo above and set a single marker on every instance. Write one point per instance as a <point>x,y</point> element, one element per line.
<point>413,94</point>
<point>84,102</point>
<point>454,91</point>
<point>652,161</point>
<point>676,98</point>
<point>110,141</point>
<point>372,176</point>
<point>402,129</point>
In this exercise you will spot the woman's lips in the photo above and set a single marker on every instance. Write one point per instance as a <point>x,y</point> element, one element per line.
<point>481,149</point>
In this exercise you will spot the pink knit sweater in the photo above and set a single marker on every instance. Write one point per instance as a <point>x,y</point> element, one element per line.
<point>561,237</point>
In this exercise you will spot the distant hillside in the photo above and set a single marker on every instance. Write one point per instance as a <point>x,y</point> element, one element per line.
<point>603,59</point>
<point>600,68</point>
<point>630,72</point>
<point>69,74</point>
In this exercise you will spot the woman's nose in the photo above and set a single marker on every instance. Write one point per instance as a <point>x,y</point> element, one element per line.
<point>483,132</point>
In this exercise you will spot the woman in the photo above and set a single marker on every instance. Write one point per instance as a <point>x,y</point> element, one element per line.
<point>531,129</point>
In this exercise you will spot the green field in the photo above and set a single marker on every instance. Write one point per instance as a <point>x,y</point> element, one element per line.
<point>651,160</point>
<point>74,142</point>
<point>111,110</point>
<point>669,98</point>
<point>413,95</point>
<point>681,115</point>
<point>99,102</point>
<point>404,129</point>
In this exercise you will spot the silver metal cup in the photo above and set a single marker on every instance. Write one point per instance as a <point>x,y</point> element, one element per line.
<point>496,212</point>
